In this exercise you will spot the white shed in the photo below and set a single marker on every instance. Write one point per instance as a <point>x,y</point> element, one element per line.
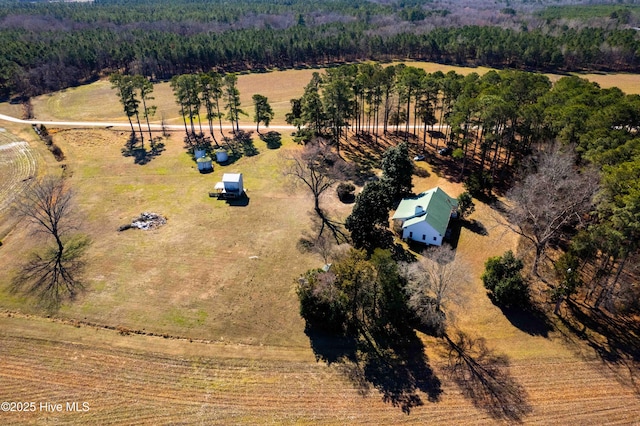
<point>231,186</point>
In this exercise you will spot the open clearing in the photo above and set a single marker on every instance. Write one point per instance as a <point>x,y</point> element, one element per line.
<point>97,101</point>
<point>212,268</point>
<point>218,281</point>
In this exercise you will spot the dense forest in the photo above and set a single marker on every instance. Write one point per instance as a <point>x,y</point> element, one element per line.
<point>46,46</point>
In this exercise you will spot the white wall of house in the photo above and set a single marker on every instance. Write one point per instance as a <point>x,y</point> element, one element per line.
<point>231,186</point>
<point>232,182</point>
<point>423,233</point>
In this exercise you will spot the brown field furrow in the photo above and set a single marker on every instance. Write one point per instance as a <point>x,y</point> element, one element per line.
<point>189,389</point>
<point>18,164</point>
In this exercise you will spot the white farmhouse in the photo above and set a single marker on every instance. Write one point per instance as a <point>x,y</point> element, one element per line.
<point>425,218</point>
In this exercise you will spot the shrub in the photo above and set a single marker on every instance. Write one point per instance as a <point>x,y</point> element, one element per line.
<point>465,204</point>
<point>479,183</point>
<point>503,278</point>
<point>57,152</point>
<point>272,139</point>
<point>458,154</point>
<point>346,192</point>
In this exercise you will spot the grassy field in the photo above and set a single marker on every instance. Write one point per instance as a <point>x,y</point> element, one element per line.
<point>210,267</point>
<point>98,100</point>
<point>197,321</point>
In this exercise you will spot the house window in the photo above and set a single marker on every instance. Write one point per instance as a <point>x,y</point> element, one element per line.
<point>424,237</point>
<point>435,239</point>
<point>410,234</point>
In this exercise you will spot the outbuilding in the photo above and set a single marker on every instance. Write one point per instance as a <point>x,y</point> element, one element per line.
<point>205,164</point>
<point>425,217</point>
<point>231,186</point>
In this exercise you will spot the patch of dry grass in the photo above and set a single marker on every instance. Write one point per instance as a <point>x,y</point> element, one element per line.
<point>214,271</point>
<point>97,101</point>
<point>628,83</point>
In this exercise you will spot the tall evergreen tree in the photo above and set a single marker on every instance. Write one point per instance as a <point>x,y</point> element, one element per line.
<point>263,111</point>
<point>181,95</point>
<point>146,88</point>
<point>369,220</point>
<point>397,170</point>
<point>232,99</point>
<point>210,92</point>
<point>312,111</point>
<point>338,100</point>
<point>125,89</point>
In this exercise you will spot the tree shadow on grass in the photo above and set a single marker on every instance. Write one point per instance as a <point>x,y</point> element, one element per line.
<point>366,153</point>
<point>421,172</point>
<point>389,359</point>
<point>474,226</point>
<point>330,347</point>
<point>52,279</point>
<point>238,145</point>
<point>395,363</point>
<point>616,340</point>
<point>272,139</point>
<point>245,139</point>
<point>141,155</point>
<point>483,377</point>
<point>530,320</point>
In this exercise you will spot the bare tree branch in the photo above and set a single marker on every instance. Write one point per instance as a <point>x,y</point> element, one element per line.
<point>431,283</point>
<point>51,276</point>
<point>318,168</point>
<point>549,199</point>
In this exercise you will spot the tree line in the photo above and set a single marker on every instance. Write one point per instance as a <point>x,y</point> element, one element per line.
<point>496,117</point>
<point>48,46</point>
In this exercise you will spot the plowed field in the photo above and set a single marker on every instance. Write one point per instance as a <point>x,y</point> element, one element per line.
<point>18,164</point>
<point>151,380</point>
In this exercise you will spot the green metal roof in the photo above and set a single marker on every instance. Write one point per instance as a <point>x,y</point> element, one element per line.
<point>433,206</point>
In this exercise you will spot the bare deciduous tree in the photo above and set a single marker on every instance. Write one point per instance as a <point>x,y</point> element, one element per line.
<point>549,199</point>
<point>431,284</point>
<point>48,206</point>
<point>318,168</point>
